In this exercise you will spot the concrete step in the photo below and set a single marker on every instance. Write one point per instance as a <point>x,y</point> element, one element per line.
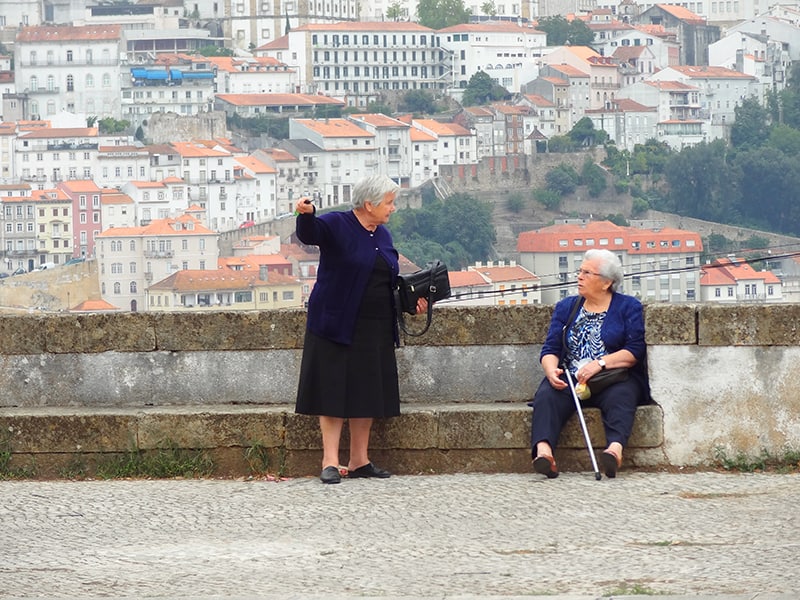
<point>451,438</point>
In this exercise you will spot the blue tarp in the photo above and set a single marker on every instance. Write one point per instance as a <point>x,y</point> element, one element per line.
<point>149,73</point>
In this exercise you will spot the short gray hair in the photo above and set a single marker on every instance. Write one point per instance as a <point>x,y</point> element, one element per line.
<point>610,267</point>
<point>373,189</point>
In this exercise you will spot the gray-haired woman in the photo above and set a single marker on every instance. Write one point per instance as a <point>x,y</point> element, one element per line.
<point>604,329</point>
<point>349,369</point>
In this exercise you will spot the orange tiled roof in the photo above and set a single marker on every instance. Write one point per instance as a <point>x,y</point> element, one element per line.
<point>93,306</point>
<point>335,128</point>
<point>539,100</point>
<point>576,238</point>
<point>278,99</point>
<point>376,26</point>
<point>196,150</point>
<point>379,120</point>
<point>80,185</point>
<point>706,72</point>
<point>442,129</point>
<point>675,86</point>
<point>466,279</point>
<point>490,27</point>
<point>160,227</point>
<point>417,135</point>
<point>255,165</point>
<point>222,279</point>
<point>60,132</point>
<point>569,70</point>
<point>724,271</point>
<point>501,273</point>
<point>69,33</point>
<point>679,12</point>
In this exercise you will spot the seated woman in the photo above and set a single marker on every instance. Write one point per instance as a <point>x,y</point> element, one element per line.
<point>604,330</point>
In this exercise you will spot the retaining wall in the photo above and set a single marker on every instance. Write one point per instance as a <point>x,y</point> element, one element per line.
<point>81,387</point>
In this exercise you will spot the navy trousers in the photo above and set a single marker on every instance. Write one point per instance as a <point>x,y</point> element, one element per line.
<point>552,408</point>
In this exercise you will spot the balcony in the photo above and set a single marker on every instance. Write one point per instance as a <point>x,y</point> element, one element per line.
<point>148,276</point>
<point>159,253</point>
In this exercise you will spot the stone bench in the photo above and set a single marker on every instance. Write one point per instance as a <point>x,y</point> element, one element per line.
<point>424,439</point>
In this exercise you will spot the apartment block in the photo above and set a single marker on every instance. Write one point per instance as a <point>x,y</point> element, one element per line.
<point>660,265</point>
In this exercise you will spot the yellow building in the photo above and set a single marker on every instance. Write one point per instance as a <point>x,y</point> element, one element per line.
<point>224,289</point>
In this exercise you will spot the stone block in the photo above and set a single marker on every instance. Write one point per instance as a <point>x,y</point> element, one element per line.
<point>670,323</point>
<point>489,325</point>
<point>748,324</point>
<point>99,332</point>
<point>490,427</point>
<point>230,330</point>
<point>414,429</point>
<point>210,428</point>
<point>48,431</point>
<point>648,429</point>
<point>23,334</point>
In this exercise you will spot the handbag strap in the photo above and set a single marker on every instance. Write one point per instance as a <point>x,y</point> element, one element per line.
<point>575,308</point>
<point>401,319</point>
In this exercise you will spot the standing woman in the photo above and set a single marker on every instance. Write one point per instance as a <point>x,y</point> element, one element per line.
<point>349,369</point>
<point>604,330</point>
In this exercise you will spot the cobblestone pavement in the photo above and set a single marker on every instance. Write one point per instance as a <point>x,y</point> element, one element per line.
<point>714,535</point>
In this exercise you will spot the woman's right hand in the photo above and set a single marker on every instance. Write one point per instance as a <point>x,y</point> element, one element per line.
<point>303,207</point>
<point>554,377</point>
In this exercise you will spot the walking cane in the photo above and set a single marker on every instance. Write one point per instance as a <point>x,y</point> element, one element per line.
<point>571,383</point>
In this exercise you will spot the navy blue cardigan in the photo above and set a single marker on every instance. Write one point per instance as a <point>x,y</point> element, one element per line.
<point>623,328</point>
<point>347,256</point>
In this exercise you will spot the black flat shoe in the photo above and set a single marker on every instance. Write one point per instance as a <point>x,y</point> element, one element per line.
<point>330,475</point>
<point>369,470</point>
<point>610,463</point>
<point>545,465</point>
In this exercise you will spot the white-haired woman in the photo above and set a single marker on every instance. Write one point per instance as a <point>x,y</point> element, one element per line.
<point>603,329</point>
<point>349,369</point>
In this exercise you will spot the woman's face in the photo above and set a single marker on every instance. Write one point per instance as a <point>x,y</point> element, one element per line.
<point>380,214</point>
<point>590,282</point>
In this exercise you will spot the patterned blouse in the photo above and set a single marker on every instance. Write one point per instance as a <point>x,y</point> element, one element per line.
<point>584,343</point>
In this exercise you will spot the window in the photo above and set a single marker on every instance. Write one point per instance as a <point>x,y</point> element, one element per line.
<point>70,83</point>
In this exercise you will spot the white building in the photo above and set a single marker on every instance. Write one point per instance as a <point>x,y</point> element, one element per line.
<point>132,258</point>
<point>118,210</point>
<point>348,153</point>
<point>253,75</point>
<point>393,140</point>
<point>494,285</point>
<point>723,90</point>
<point>207,173</point>
<point>357,62</point>
<point>626,122</point>
<point>44,156</point>
<point>256,197</point>
<point>733,280</point>
<point>681,120</point>
<point>660,265</point>
<point>72,69</point>
<point>503,50</point>
<point>455,144</point>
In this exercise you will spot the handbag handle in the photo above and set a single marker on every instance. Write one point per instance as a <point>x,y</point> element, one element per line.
<point>401,319</point>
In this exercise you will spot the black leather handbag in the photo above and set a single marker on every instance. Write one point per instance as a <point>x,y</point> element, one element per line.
<point>431,283</point>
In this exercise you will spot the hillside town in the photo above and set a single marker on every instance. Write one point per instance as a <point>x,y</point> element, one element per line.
<point>118,157</point>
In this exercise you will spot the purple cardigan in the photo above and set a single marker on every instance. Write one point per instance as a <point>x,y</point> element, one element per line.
<point>347,257</point>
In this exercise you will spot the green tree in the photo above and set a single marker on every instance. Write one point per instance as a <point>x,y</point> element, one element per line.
<point>440,229</point>
<point>482,89</point>
<point>594,178</point>
<point>560,31</point>
<point>488,8</point>
<point>557,29</point>
<point>377,107</point>
<point>786,139</point>
<point>769,184</point>
<point>583,133</point>
<point>515,202</point>
<point>790,98</point>
<point>394,12</point>
<point>562,179</point>
<point>750,128</point>
<point>110,125</point>
<point>418,102</point>
<point>549,199</point>
<point>579,33</point>
<point>561,143</point>
<point>701,183</point>
<point>438,14</point>
<point>212,50</point>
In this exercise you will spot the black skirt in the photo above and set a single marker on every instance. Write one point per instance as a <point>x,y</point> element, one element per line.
<point>359,379</point>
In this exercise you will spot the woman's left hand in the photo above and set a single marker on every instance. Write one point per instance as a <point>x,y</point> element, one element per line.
<point>422,305</point>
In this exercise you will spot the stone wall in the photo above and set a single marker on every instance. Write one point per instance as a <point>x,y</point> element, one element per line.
<point>723,379</point>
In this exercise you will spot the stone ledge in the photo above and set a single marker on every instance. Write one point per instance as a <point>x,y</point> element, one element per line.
<point>442,439</point>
